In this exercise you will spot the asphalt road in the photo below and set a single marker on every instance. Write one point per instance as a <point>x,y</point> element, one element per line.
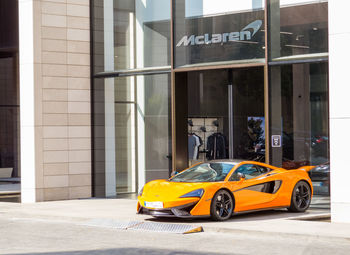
<point>33,236</point>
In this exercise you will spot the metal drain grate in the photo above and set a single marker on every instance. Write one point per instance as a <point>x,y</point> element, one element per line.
<point>165,227</point>
<point>144,226</point>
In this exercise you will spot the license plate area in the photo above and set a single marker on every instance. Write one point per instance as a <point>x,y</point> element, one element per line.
<point>156,205</point>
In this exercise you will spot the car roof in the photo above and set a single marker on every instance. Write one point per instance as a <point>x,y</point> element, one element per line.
<point>232,161</point>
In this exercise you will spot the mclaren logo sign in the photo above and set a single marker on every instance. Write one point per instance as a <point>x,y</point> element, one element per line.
<point>245,34</point>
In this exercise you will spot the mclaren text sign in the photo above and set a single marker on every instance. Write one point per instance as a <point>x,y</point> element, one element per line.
<point>218,38</point>
<point>245,34</point>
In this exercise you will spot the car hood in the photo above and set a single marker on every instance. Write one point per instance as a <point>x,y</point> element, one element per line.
<point>165,190</point>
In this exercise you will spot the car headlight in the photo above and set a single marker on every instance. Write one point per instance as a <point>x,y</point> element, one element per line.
<point>195,193</point>
<point>140,192</point>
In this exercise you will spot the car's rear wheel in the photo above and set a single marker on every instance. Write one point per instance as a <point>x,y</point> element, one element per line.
<point>301,197</point>
<point>221,206</point>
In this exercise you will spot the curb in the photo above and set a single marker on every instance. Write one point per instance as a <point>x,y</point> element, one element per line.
<point>275,235</point>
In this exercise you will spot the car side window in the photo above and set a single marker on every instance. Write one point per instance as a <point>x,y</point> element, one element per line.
<point>249,170</point>
<point>263,170</point>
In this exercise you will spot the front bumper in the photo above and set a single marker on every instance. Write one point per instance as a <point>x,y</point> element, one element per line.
<point>183,211</point>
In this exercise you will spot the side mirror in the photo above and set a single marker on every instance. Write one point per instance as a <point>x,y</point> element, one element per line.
<point>240,176</point>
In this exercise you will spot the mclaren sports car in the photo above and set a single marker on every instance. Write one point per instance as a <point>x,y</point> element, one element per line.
<point>219,189</point>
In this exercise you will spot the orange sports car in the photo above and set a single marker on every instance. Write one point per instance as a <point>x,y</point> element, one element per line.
<point>219,189</point>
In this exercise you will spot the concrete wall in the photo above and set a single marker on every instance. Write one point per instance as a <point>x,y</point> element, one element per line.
<point>55,99</point>
<point>339,91</point>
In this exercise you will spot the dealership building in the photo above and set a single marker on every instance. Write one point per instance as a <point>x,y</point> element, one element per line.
<point>98,97</point>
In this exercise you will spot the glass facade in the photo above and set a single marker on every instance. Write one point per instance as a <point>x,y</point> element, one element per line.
<point>157,119</point>
<point>170,85</point>
<point>131,34</point>
<point>132,131</point>
<point>208,32</point>
<point>10,170</point>
<point>226,111</point>
<point>298,87</point>
<point>131,97</point>
<point>9,117</point>
<point>298,28</point>
<point>299,114</point>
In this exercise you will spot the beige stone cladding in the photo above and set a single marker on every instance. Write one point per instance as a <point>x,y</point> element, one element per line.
<point>62,46</point>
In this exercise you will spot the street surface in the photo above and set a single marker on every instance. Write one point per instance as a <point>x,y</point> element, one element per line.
<point>64,228</point>
<point>31,236</point>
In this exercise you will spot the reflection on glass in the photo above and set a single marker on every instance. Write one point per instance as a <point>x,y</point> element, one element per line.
<point>10,171</point>
<point>157,116</point>
<point>256,132</point>
<point>209,31</point>
<point>123,25</point>
<point>124,89</point>
<point>298,27</point>
<point>9,120</point>
<point>206,172</point>
<point>131,34</point>
<point>226,114</point>
<point>299,113</point>
<point>248,114</point>
<point>125,147</point>
<point>130,111</point>
<point>250,171</point>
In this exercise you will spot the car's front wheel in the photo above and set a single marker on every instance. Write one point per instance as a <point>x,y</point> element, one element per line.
<point>221,206</point>
<point>301,197</point>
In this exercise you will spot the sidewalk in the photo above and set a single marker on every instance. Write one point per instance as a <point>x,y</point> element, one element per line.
<point>272,223</point>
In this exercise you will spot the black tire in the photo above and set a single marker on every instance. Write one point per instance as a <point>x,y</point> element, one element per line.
<point>221,207</point>
<point>301,197</point>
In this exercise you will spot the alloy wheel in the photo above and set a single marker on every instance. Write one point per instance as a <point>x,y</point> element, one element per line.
<point>302,196</point>
<point>223,205</point>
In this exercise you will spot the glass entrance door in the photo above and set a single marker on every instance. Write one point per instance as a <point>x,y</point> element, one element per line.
<point>224,115</point>
<point>246,114</point>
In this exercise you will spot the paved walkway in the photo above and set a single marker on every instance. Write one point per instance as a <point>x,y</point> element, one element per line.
<point>274,222</point>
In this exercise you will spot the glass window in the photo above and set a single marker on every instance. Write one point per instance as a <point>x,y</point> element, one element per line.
<point>131,34</point>
<point>157,124</point>
<point>225,110</point>
<point>132,132</point>
<point>298,28</point>
<point>206,172</point>
<point>218,30</point>
<point>262,169</point>
<point>124,89</point>
<point>125,147</point>
<point>9,33</point>
<point>249,170</point>
<point>9,119</point>
<point>299,115</point>
<point>10,171</point>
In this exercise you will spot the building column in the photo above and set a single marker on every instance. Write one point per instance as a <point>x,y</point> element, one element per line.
<point>55,119</point>
<point>339,55</point>
<point>110,156</point>
<point>27,60</point>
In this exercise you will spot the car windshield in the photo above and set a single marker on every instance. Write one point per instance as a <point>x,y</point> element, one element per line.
<point>205,172</point>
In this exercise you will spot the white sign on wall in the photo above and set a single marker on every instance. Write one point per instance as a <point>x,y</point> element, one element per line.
<point>276,141</point>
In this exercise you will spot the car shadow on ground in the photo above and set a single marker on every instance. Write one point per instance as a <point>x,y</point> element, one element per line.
<point>243,217</point>
<point>125,251</point>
